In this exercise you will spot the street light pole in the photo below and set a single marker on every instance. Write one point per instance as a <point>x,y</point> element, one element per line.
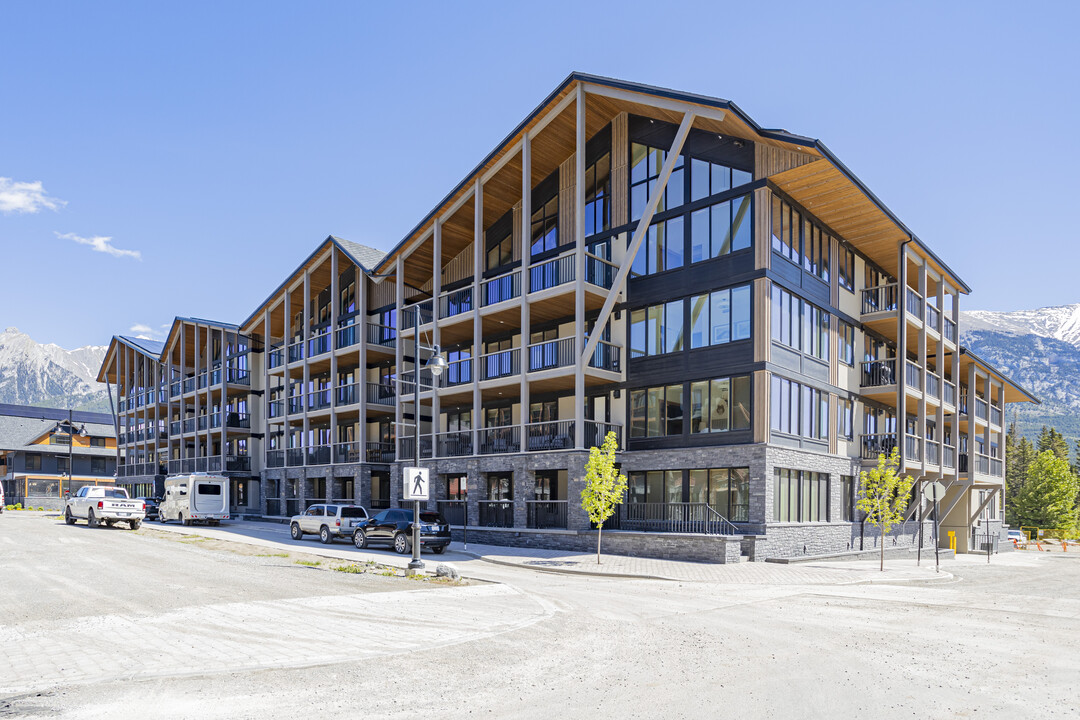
<point>71,441</point>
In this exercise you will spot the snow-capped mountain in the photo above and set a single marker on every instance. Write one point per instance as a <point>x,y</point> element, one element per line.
<point>49,375</point>
<point>1039,349</point>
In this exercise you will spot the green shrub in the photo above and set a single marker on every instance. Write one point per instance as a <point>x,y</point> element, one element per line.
<point>41,509</point>
<point>309,563</point>
<point>351,569</point>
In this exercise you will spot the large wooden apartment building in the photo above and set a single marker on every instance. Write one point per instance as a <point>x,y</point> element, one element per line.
<point>747,317</point>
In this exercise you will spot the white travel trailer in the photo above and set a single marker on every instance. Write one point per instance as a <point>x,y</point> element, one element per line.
<point>195,498</point>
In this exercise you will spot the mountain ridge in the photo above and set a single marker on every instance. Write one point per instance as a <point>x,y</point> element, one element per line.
<point>47,375</point>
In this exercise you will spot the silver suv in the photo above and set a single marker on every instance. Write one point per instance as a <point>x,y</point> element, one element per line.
<point>327,521</point>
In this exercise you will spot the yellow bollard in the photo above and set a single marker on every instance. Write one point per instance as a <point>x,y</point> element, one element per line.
<point>952,540</point>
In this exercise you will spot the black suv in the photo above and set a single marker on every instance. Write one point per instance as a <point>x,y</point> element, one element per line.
<point>151,507</point>
<point>394,527</point>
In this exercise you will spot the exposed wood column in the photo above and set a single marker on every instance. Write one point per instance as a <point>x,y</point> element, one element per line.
<point>619,284</point>
<point>116,371</point>
<point>524,242</point>
<point>268,339</point>
<point>436,335</point>
<point>335,304</point>
<point>305,335</point>
<point>579,276</point>
<point>399,354</point>
<point>183,401</point>
<point>900,355</point>
<point>478,325</point>
<point>921,428</point>
<point>360,436</point>
<point>196,367</point>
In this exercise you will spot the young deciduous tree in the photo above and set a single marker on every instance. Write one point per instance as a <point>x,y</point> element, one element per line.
<point>883,495</point>
<point>1048,498</point>
<point>604,486</point>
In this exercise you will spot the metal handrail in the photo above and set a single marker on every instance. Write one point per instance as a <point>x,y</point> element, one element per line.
<point>500,364</point>
<point>551,354</point>
<point>882,298</point>
<point>501,288</point>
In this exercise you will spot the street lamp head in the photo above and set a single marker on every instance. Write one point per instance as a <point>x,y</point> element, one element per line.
<point>437,363</point>
<point>82,431</point>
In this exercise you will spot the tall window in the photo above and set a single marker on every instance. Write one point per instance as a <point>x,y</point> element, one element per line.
<point>720,405</point>
<point>726,490</point>
<point>846,338</point>
<point>815,251</point>
<point>720,229</point>
<point>545,226</point>
<point>662,248</point>
<point>846,268</point>
<point>501,252</point>
<point>799,409</point>
<point>800,496</point>
<point>645,166</point>
<point>799,324</point>
<point>456,486</point>
<point>598,196</point>
<point>847,498</point>
<point>657,329</point>
<point>33,461</point>
<point>348,299</point>
<point>799,240</point>
<point>845,415</point>
<point>656,412</point>
<point>708,178</point>
<point>720,317</point>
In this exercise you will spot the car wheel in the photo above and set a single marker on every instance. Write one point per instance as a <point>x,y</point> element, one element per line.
<point>402,546</point>
<point>324,535</point>
<point>90,519</point>
<point>359,539</point>
<point>438,549</point>
<point>135,524</point>
<point>296,532</point>
<point>162,519</point>
<point>186,522</point>
<point>67,516</point>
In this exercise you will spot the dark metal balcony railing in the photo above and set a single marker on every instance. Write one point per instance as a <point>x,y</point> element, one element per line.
<point>454,444</point>
<point>296,404</point>
<point>500,364</point>
<point>877,444</point>
<point>542,514</point>
<point>296,352</point>
<point>914,303</point>
<point>379,394</point>
<point>496,513</point>
<point>453,511</point>
<point>408,315</point>
<point>276,408</point>
<point>294,457</point>
<point>346,336</point>
<point>913,375</point>
<point>599,271</point>
<point>320,399</point>
<point>950,393</point>
<point>933,316</point>
<point>319,344</point>
<point>317,455</point>
<point>595,432</point>
<point>551,354</point>
<point>276,358</point>
<point>458,372</point>
<point>950,330</point>
<point>379,452</point>
<point>882,298</point>
<point>556,435</point>
<point>237,420</point>
<point>382,335</point>
<point>497,440</point>
<point>350,452</point>
<point>346,395</point>
<point>879,373</point>
<point>407,445</point>
<point>606,356</point>
<point>696,518</point>
<point>237,376</point>
<point>552,273</point>
<point>913,448</point>
<point>455,302</point>
<point>500,289</point>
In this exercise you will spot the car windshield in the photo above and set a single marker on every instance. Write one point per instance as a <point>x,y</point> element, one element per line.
<point>353,512</point>
<point>430,517</point>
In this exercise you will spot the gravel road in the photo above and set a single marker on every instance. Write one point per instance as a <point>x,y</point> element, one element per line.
<point>997,642</point>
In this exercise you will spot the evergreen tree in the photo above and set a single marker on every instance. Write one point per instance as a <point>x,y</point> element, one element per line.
<point>1019,454</point>
<point>1048,498</point>
<point>1051,439</point>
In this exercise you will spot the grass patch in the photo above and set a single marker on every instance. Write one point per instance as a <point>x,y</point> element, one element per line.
<point>351,569</point>
<point>309,563</point>
<point>280,555</point>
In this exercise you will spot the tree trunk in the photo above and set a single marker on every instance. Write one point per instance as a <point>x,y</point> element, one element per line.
<point>882,547</point>
<point>599,532</point>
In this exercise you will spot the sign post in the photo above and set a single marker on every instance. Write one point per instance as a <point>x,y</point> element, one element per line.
<point>416,489</point>
<point>465,527</point>
<point>936,491</point>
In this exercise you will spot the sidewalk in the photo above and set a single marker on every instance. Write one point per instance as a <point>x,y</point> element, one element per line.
<point>469,563</point>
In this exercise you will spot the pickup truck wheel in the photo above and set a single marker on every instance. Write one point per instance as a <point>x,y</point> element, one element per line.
<point>135,524</point>
<point>402,546</point>
<point>110,523</point>
<point>67,516</point>
<point>438,549</point>
<point>359,539</point>
<point>296,532</point>
<point>90,519</point>
<point>324,536</point>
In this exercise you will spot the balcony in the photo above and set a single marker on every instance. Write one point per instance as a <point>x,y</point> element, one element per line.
<point>950,331</point>
<point>933,385</point>
<point>276,357</point>
<point>882,298</point>
<point>276,409</point>
<point>913,448</point>
<point>381,335</point>
<point>556,435</point>
<point>551,354</point>
<point>995,415</point>
<point>599,272</point>
<point>348,453</point>
<point>458,372</point>
<point>499,440</point>
<point>296,404</point>
<point>317,455</point>
<point>320,399</point>
<point>294,457</point>
<point>453,511</point>
<point>345,395</point>
<point>238,420</point>
<point>933,316</point>
<point>500,289</point>
<point>500,364</point>
<point>407,447</point>
<point>496,513</point>
<point>695,518</point>
<point>878,373</point>
<point>950,393</point>
<point>933,453</point>
<point>606,356</point>
<point>275,458</point>
<point>552,273</point>
<point>296,352</point>
<point>543,514</point>
<point>913,375</point>
<point>454,444</point>
<point>595,432</point>
<point>410,314</point>
<point>383,395</point>
<point>319,344</point>
<point>346,337</point>
<point>379,452</point>
<point>877,444</point>
<point>914,303</point>
<point>236,376</point>
<point>949,456</point>
<point>456,302</point>
<point>980,408</point>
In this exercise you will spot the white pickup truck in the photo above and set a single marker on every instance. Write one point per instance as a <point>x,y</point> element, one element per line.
<point>107,505</point>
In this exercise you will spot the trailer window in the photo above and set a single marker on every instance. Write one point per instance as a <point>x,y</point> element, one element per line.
<point>208,489</point>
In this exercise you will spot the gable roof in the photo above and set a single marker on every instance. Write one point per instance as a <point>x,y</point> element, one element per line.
<point>22,425</point>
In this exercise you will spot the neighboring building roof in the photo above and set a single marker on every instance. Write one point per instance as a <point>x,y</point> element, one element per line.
<point>366,257</point>
<point>1008,382</point>
<point>21,425</point>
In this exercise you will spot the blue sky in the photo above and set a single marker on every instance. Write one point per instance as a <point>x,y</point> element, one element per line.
<point>222,141</point>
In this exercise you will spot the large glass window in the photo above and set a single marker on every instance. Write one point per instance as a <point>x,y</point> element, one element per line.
<point>545,226</point>
<point>847,498</point>
<point>598,196</point>
<point>846,338</point>
<point>662,248</point>
<point>720,405</point>
<point>501,253</point>
<point>657,329</point>
<point>720,317</point>
<point>845,416</point>
<point>846,268</point>
<point>726,490</point>
<point>708,178</point>
<point>720,229</point>
<point>799,324</point>
<point>799,240</point>
<point>800,496</point>
<point>815,251</point>
<point>656,412</point>
<point>799,409</point>
<point>645,166</point>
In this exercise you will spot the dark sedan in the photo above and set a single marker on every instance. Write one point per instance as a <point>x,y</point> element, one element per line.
<point>393,527</point>
<point>151,507</point>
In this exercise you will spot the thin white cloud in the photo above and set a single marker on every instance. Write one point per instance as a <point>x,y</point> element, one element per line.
<point>144,332</point>
<point>100,244</point>
<point>25,197</point>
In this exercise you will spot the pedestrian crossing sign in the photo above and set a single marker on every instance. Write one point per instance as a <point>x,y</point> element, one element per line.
<point>416,483</point>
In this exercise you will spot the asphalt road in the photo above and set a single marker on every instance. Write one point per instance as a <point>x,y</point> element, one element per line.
<point>104,622</point>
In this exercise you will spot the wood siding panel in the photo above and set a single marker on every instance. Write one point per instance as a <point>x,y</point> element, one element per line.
<point>567,173</point>
<point>770,160</point>
<point>620,170</point>
<point>762,227</point>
